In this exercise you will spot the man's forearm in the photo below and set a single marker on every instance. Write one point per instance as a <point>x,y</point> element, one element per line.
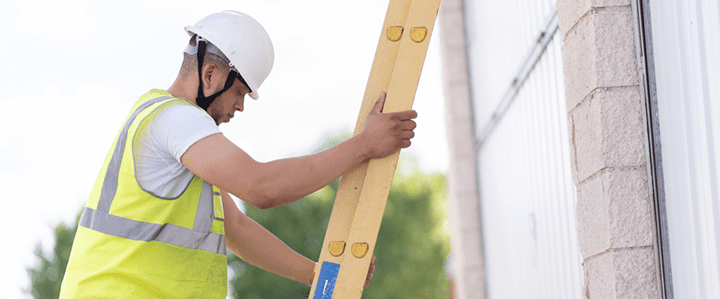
<point>257,246</point>
<point>275,183</point>
<point>288,180</point>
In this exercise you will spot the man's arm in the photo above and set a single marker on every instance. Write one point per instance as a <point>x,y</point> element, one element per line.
<point>265,185</point>
<point>257,246</point>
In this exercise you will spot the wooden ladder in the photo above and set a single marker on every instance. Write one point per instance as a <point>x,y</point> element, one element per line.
<point>363,191</point>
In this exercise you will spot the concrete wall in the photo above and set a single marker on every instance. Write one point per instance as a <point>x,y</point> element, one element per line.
<point>607,141</point>
<point>467,256</point>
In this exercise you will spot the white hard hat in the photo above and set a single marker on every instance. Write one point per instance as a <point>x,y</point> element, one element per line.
<point>243,40</point>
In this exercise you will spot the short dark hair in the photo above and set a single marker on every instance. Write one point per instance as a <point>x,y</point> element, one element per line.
<point>189,64</point>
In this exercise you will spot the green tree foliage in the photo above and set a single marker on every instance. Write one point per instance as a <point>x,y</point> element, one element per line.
<point>413,245</point>
<point>411,249</point>
<point>45,280</point>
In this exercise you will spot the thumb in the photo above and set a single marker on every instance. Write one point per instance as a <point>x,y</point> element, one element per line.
<point>379,104</point>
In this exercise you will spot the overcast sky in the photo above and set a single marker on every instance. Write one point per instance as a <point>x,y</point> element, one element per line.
<point>70,71</point>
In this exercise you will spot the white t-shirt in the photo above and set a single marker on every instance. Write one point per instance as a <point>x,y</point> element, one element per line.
<point>169,134</point>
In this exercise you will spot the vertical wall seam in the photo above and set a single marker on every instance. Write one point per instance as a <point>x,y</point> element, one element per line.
<point>646,73</point>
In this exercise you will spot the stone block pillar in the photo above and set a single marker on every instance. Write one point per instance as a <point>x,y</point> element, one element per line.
<point>607,139</point>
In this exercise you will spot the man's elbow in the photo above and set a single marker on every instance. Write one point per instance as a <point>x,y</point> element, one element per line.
<point>265,200</point>
<point>264,205</point>
<point>265,194</point>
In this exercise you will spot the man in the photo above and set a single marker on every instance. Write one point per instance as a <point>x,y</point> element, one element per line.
<point>160,217</point>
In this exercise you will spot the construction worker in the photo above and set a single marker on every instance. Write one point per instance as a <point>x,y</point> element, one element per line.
<point>160,217</point>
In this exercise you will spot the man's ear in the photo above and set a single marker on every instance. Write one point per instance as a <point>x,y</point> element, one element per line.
<point>210,77</point>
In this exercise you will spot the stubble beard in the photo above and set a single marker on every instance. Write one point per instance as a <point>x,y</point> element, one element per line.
<point>214,113</point>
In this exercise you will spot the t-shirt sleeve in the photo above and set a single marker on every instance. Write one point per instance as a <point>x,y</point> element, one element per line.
<point>177,127</point>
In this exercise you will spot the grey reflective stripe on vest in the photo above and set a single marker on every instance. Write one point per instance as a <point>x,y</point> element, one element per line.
<point>110,184</point>
<point>102,221</point>
<point>144,231</point>
<point>205,214</point>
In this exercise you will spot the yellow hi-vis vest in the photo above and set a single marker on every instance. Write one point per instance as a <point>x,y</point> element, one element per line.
<point>132,244</point>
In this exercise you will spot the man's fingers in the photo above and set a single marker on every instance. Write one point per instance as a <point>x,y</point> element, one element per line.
<point>404,115</point>
<point>407,134</point>
<point>408,125</point>
<point>370,271</point>
<point>401,115</point>
<point>411,114</point>
<point>379,104</point>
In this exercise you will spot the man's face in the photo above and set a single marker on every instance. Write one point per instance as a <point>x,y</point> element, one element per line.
<point>224,107</point>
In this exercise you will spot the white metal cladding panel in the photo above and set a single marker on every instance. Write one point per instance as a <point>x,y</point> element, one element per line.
<point>527,193</point>
<point>499,36</point>
<point>686,44</point>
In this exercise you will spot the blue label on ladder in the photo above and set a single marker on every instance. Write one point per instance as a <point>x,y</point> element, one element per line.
<point>326,280</point>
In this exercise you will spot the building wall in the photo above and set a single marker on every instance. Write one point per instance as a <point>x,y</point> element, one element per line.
<point>510,104</point>
<point>643,136</point>
<point>526,190</point>
<point>606,139</point>
<point>686,44</point>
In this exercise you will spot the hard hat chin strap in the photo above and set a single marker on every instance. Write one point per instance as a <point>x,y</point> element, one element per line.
<point>201,100</point>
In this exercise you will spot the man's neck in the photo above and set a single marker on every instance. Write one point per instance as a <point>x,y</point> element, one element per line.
<point>183,89</point>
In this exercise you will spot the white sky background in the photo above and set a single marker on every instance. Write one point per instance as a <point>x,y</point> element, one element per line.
<point>71,70</point>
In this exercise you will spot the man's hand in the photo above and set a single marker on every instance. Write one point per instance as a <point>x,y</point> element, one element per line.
<point>370,271</point>
<point>387,133</point>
